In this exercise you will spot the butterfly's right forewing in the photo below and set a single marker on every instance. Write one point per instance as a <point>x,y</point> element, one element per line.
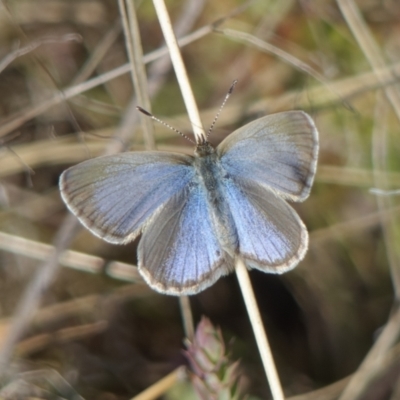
<point>114,196</point>
<point>278,152</point>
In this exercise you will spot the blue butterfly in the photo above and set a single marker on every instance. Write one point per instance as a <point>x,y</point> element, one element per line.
<point>197,213</point>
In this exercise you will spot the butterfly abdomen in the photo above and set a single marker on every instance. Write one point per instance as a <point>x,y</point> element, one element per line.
<point>212,176</point>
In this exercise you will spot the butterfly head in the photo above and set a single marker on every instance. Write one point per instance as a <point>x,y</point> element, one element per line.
<point>204,149</point>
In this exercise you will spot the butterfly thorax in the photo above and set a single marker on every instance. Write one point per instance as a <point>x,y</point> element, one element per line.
<point>209,171</point>
<point>212,176</point>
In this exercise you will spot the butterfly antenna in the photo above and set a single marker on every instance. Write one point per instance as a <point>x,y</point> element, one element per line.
<point>222,106</point>
<point>143,111</point>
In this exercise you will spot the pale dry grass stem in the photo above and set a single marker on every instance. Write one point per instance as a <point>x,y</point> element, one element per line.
<point>198,131</point>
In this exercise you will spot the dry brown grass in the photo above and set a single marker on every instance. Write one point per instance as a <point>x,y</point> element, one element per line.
<point>66,96</point>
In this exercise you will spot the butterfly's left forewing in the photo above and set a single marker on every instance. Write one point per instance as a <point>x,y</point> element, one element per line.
<point>114,196</point>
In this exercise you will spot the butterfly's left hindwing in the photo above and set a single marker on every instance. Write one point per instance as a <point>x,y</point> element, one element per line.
<point>179,252</point>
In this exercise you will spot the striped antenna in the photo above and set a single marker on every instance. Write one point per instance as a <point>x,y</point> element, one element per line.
<point>143,111</point>
<point>222,106</point>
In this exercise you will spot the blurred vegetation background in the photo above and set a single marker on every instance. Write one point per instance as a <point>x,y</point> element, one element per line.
<point>106,334</point>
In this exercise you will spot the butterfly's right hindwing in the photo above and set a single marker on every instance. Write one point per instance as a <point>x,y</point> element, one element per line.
<point>271,236</point>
